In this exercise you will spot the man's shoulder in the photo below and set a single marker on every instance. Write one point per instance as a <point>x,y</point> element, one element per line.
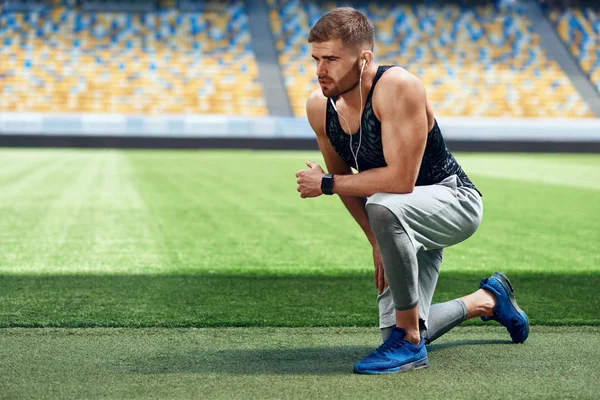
<point>316,106</point>
<point>316,99</point>
<point>397,78</point>
<point>398,87</point>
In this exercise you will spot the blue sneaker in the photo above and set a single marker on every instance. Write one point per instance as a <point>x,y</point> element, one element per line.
<point>395,355</point>
<point>506,311</point>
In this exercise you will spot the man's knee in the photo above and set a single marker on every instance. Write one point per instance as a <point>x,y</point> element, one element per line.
<point>381,218</point>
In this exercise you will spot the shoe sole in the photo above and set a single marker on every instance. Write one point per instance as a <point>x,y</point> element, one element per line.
<point>419,364</point>
<point>500,277</point>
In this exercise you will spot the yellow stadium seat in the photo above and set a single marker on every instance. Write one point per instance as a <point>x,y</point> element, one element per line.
<point>580,37</point>
<point>451,69</point>
<point>108,88</point>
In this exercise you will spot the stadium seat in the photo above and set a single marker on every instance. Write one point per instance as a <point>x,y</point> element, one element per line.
<point>474,61</point>
<point>579,28</point>
<point>62,59</point>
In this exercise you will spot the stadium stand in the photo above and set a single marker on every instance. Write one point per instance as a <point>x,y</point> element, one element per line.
<point>63,59</point>
<point>474,60</point>
<point>579,28</point>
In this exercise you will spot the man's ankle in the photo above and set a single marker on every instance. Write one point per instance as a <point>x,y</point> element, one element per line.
<point>416,341</point>
<point>488,302</point>
<point>480,303</point>
<point>413,337</point>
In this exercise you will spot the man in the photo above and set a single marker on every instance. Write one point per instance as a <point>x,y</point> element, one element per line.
<point>377,120</point>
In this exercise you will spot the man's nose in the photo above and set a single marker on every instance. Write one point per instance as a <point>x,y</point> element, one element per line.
<point>321,71</point>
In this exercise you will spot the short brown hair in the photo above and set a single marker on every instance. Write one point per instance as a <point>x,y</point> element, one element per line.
<point>345,23</point>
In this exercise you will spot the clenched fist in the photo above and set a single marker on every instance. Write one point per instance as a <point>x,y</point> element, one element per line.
<point>309,180</point>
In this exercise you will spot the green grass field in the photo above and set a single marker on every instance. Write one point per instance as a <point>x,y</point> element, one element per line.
<point>177,274</point>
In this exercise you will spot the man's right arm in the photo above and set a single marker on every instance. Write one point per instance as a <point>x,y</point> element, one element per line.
<point>316,108</point>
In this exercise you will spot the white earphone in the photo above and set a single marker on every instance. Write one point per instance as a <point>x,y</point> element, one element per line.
<point>355,155</point>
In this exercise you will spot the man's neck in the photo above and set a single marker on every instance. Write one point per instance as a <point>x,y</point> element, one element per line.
<point>351,98</point>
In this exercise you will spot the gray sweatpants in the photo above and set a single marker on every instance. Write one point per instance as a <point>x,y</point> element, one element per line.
<point>434,217</point>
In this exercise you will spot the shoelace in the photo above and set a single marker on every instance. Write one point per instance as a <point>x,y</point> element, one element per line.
<point>390,344</point>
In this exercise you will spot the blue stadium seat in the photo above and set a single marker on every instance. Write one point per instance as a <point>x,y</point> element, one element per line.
<point>474,60</point>
<point>129,63</point>
<point>579,28</point>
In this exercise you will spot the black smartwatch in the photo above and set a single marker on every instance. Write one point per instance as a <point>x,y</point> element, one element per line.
<point>327,184</point>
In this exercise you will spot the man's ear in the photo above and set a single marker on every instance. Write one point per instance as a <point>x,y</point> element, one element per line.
<point>367,56</point>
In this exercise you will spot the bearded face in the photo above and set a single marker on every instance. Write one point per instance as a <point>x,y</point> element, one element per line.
<point>338,69</point>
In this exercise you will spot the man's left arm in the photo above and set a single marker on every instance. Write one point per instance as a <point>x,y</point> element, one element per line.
<point>402,107</point>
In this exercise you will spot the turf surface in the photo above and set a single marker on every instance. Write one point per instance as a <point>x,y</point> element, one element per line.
<point>238,300</point>
<point>184,239</point>
<point>471,362</point>
<point>209,238</point>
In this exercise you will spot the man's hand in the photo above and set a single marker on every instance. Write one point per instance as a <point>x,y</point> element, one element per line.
<point>380,279</point>
<point>309,180</point>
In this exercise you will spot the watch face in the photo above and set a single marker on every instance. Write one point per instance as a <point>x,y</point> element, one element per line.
<point>327,184</point>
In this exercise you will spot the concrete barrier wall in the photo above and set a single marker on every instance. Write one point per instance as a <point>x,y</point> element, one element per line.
<point>218,131</point>
<point>221,126</point>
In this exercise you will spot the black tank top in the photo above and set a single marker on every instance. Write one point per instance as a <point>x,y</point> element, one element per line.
<point>437,163</point>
